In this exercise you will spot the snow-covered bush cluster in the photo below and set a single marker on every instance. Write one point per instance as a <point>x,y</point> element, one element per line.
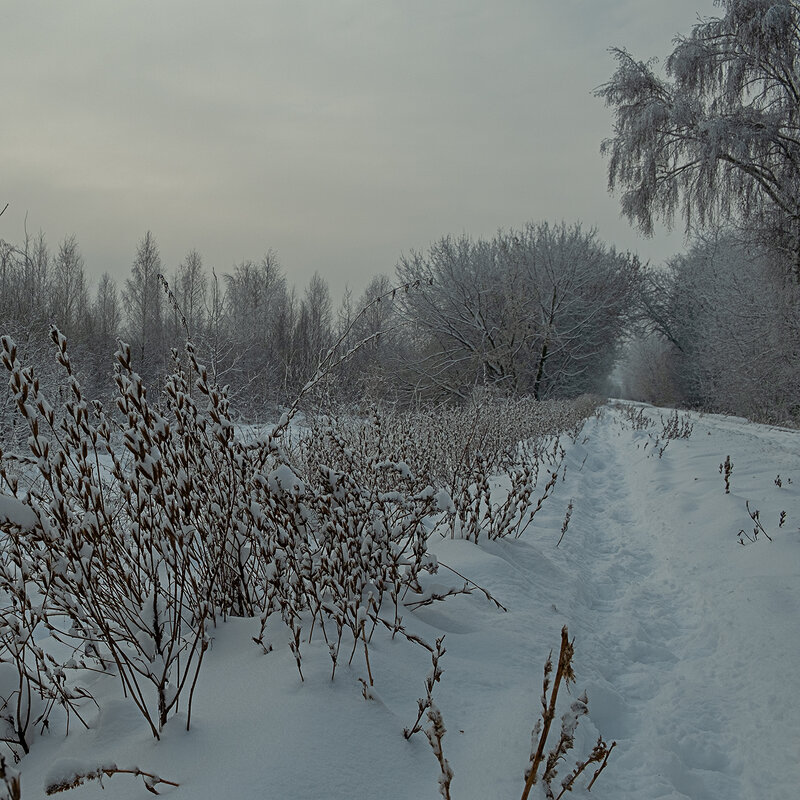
<point>129,533</point>
<point>459,452</point>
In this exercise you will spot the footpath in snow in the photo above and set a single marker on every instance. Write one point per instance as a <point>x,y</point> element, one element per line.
<point>687,642</point>
<point>691,639</point>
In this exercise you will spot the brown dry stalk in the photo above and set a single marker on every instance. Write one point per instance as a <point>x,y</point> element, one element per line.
<point>435,675</point>
<point>726,470</point>
<point>435,734</point>
<point>565,525</point>
<point>569,723</point>
<point>564,670</point>
<point>150,780</point>
<point>366,652</point>
<point>602,766</point>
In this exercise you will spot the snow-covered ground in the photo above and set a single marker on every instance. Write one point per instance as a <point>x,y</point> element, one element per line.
<point>687,642</point>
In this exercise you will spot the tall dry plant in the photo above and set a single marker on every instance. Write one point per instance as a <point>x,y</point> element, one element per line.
<point>564,675</point>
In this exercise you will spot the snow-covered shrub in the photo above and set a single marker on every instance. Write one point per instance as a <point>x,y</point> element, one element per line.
<point>375,489</point>
<point>32,682</point>
<point>125,577</point>
<point>368,518</point>
<point>518,438</point>
<point>458,450</point>
<point>136,529</point>
<point>149,523</point>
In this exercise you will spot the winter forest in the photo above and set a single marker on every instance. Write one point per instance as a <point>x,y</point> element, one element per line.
<point>246,522</point>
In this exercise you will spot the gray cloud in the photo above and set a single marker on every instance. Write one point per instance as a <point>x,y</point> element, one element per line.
<point>339,133</point>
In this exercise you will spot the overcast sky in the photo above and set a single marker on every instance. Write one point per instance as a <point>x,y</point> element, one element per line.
<point>340,133</point>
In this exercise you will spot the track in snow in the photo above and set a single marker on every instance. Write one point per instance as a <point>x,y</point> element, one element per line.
<point>692,670</point>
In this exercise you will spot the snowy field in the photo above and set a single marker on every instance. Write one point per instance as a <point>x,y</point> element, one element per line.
<point>687,642</point>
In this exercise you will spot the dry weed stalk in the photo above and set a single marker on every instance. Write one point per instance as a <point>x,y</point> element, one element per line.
<point>726,470</point>
<point>106,771</point>
<point>468,582</point>
<point>435,734</point>
<point>565,524</point>
<point>758,527</point>
<point>676,426</point>
<point>432,678</point>
<point>635,416</point>
<point>569,723</point>
<point>435,731</point>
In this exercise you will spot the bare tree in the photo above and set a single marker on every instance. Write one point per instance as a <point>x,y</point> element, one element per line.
<point>106,310</point>
<point>143,302</point>
<point>369,328</point>
<point>25,282</point>
<point>25,314</point>
<point>69,294</point>
<point>735,320</point>
<point>719,137</point>
<point>36,280</point>
<point>313,331</point>
<point>538,311</point>
<point>190,286</point>
<point>254,299</point>
<point>215,346</point>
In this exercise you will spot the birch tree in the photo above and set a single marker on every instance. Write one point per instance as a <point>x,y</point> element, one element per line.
<point>718,137</point>
<point>190,286</point>
<point>106,312</point>
<point>254,297</point>
<point>369,328</point>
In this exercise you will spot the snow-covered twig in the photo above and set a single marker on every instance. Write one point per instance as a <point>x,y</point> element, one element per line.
<point>72,775</point>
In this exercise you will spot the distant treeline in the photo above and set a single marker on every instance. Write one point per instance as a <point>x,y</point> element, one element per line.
<point>538,311</point>
<point>547,311</point>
